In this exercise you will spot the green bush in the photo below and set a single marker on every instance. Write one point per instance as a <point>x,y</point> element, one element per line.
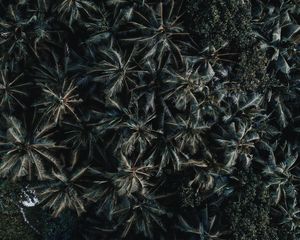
<point>12,223</point>
<point>250,211</point>
<point>220,21</point>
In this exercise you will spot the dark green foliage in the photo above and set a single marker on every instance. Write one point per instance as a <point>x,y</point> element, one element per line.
<point>249,212</point>
<point>60,228</point>
<point>40,225</point>
<point>220,21</point>
<point>12,223</point>
<point>150,119</point>
<point>251,71</point>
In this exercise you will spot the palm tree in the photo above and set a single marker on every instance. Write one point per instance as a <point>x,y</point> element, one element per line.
<point>290,216</point>
<point>27,153</point>
<point>283,178</point>
<point>166,154</point>
<point>243,107</point>
<point>238,141</point>
<point>103,192</point>
<point>116,69</point>
<point>12,89</point>
<point>13,35</point>
<point>190,133</point>
<point>20,33</point>
<point>103,27</point>
<point>141,216</point>
<point>83,135</point>
<point>132,176</point>
<point>203,227</point>
<point>59,89</point>
<point>138,132</point>
<point>70,11</point>
<point>188,88</point>
<point>58,102</point>
<point>64,190</point>
<point>158,31</point>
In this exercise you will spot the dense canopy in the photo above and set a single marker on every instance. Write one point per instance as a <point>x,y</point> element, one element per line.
<point>150,119</point>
